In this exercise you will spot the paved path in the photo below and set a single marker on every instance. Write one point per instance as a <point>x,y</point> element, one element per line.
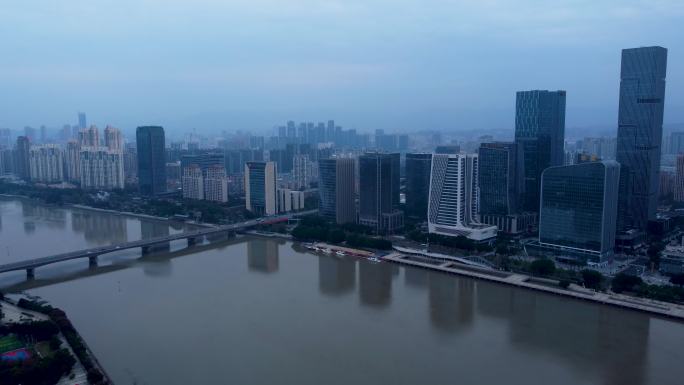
<point>645,305</point>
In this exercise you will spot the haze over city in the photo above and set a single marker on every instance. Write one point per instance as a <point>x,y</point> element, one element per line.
<point>400,65</point>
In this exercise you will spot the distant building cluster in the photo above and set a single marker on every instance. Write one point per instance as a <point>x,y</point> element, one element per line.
<point>583,197</point>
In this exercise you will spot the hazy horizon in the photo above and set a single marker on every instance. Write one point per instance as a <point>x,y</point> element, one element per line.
<point>251,65</point>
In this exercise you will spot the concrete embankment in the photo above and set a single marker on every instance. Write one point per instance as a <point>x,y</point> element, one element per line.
<point>659,308</point>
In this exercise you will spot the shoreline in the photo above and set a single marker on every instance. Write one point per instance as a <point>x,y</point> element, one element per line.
<point>663,309</point>
<point>108,211</point>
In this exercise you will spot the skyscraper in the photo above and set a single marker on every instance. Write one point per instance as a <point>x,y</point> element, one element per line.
<point>418,167</point>
<point>376,193</point>
<point>101,168</point>
<point>21,162</point>
<point>151,160</point>
<point>89,137</point>
<point>46,163</point>
<point>452,208</point>
<point>81,120</point>
<point>193,182</point>
<point>539,135</point>
<point>337,177</point>
<point>679,180</point>
<point>113,139</point>
<point>260,188</point>
<point>640,131</point>
<point>578,212</point>
<point>216,184</point>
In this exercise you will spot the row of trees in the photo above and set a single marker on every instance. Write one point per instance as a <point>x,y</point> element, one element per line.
<point>58,316</point>
<point>319,229</point>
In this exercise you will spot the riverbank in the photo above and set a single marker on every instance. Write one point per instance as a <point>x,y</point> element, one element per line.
<point>115,212</point>
<point>659,308</point>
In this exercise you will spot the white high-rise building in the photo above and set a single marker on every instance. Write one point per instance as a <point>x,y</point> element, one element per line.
<point>46,163</point>
<point>193,182</point>
<point>216,184</point>
<point>73,161</point>
<point>101,168</point>
<point>113,139</point>
<point>89,137</point>
<point>302,171</point>
<point>453,203</point>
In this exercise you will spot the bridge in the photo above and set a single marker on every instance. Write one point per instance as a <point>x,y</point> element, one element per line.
<point>146,245</point>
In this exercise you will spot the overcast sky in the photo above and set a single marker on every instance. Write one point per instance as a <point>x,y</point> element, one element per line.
<point>392,64</point>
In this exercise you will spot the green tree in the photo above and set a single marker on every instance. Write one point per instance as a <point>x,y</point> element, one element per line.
<point>542,267</point>
<point>677,279</point>
<point>336,236</point>
<point>592,279</point>
<point>625,282</point>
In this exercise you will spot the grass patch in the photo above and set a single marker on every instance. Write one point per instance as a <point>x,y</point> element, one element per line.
<point>9,343</point>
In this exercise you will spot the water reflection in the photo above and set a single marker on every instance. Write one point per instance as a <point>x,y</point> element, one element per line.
<point>416,278</point>
<point>153,230</point>
<point>36,214</point>
<point>580,334</point>
<point>262,255</point>
<point>451,302</point>
<point>375,283</point>
<point>336,275</point>
<point>99,228</point>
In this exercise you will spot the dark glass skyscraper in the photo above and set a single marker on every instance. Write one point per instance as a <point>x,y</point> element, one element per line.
<point>640,132</point>
<point>151,160</point>
<point>418,168</point>
<point>336,179</point>
<point>376,193</point>
<point>498,178</point>
<point>578,212</point>
<point>539,135</point>
<point>21,159</point>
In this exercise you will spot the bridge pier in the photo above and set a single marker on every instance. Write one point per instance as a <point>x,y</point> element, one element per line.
<point>92,261</point>
<point>145,250</point>
<point>192,241</point>
<point>30,273</point>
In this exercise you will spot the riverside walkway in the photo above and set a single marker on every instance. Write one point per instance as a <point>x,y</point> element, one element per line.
<point>146,245</point>
<point>660,308</point>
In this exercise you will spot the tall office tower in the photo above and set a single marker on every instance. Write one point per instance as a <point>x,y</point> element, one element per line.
<point>539,135</point>
<point>6,161</point>
<point>46,163</point>
<point>679,180</point>
<point>578,212</point>
<point>216,184</point>
<point>73,161</point>
<point>30,133</point>
<point>89,137</point>
<point>5,138</point>
<point>452,208</point>
<point>302,171</point>
<point>101,168</point>
<point>448,149</point>
<point>82,120</point>
<point>113,139</point>
<point>260,187</point>
<point>21,163</point>
<point>396,178</point>
<point>418,167</point>
<point>330,131</point>
<point>291,131</point>
<point>640,131</point>
<point>193,182</point>
<point>666,186</point>
<point>174,176</point>
<point>376,189</point>
<point>500,186</point>
<point>151,160</point>
<point>336,181</point>
<point>130,164</point>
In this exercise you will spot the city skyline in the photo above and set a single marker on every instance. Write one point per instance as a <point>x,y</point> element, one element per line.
<point>469,60</point>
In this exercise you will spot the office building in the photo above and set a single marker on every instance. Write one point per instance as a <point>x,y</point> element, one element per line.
<point>418,167</point>
<point>289,200</point>
<point>6,161</point>
<point>539,135</point>
<point>151,160</point>
<point>46,163</point>
<point>21,159</point>
<point>640,126</point>
<point>578,212</point>
<point>193,182</point>
<point>376,190</point>
<point>336,181</point>
<point>453,204</point>
<point>500,188</point>
<point>81,120</point>
<point>679,180</point>
<point>260,188</point>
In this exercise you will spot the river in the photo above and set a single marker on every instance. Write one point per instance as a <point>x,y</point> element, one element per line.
<point>265,311</point>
